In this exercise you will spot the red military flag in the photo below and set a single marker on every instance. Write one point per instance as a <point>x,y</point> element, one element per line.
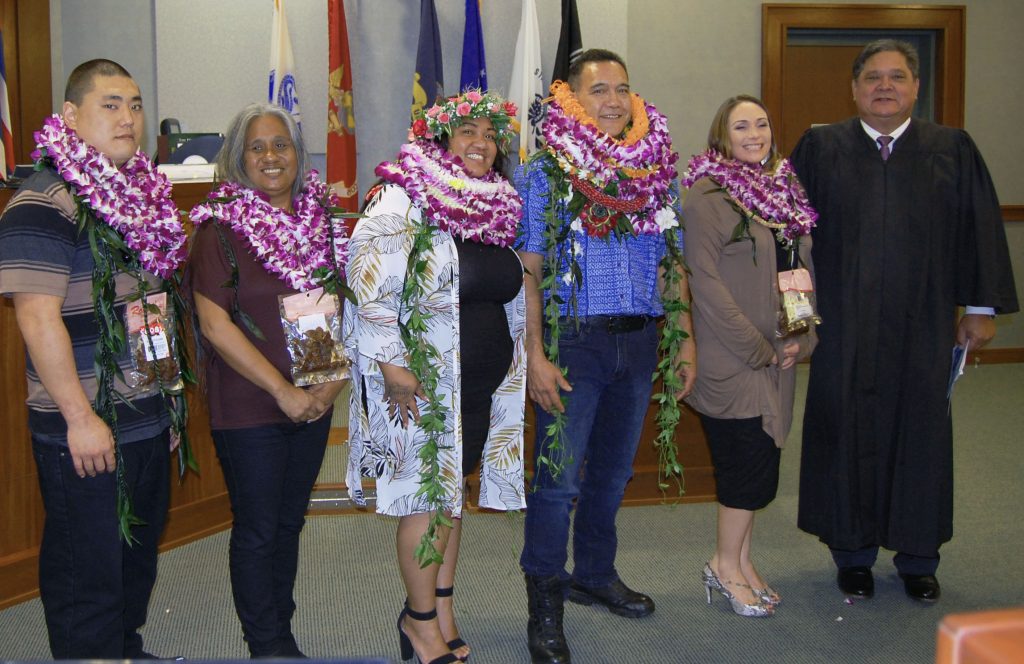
<point>341,117</point>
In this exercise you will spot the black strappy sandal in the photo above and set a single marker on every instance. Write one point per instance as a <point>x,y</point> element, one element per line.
<point>406,645</point>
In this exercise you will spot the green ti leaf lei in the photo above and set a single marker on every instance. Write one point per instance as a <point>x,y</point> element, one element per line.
<point>111,256</point>
<point>559,238</point>
<point>423,361</point>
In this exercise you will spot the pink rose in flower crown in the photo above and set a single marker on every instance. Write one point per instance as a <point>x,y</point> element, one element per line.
<point>433,111</point>
<point>463,109</point>
<point>444,118</point>
<point>510,108</point>
<point>473,96</point>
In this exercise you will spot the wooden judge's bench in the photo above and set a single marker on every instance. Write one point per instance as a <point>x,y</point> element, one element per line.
<point>199,505</point>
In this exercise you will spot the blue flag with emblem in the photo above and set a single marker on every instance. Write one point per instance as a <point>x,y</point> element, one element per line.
<point>428,79</point>
<point>474,64</point>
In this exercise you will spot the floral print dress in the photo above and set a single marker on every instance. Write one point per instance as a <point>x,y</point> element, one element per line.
<point>380,447</point>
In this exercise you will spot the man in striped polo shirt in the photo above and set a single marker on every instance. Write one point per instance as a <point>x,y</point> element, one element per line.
<point>94,585</point>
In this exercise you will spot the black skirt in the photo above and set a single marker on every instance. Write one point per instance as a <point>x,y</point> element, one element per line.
<point>746,461</point>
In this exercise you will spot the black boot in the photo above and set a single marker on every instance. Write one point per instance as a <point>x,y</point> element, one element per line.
<point>544,628</point>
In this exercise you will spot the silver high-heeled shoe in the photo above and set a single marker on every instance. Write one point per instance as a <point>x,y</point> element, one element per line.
<point>768,595</point>
<point>712,582</point>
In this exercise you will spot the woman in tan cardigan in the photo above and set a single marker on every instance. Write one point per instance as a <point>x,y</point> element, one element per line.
<point>747,219</point>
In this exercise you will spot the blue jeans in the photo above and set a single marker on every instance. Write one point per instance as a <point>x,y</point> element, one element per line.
<point>269,472</point>
<point>611,388</point>
<point>95,588</point>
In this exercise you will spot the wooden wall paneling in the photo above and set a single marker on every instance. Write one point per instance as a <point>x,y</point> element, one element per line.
<point>34,89</point>
<point>9,25</point>
<point>26,31</point>
<point>20,503</point>
<point>1013,212</point>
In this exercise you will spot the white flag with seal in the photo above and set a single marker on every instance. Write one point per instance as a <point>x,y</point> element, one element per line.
<point>282,65</point>
<point>527,87</point>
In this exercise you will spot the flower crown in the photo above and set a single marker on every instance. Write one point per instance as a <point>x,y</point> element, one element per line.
<point>443,118</point>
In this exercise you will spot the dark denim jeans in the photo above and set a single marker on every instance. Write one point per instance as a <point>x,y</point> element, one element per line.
<point>94,587</point>
<point>269,471</point>
<point>611,388</point>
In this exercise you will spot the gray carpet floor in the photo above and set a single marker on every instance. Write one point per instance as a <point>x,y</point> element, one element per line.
<point>349,593</point>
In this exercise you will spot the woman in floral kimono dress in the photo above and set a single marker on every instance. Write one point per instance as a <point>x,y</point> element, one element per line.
<point>436,343</point>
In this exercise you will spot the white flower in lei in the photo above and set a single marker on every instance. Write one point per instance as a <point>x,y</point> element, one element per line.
<point>290,245</point>
<point>666,218</point>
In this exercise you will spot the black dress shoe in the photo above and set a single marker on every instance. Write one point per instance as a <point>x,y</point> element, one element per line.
<point>856,581</point>
<point>619,599</point>
<point>922,587</point>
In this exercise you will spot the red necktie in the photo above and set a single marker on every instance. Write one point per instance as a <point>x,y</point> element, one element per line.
<point>884,141</point>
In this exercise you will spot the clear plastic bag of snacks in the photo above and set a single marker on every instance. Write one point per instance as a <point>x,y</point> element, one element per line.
<point>149,327</point>
<point>799,309</point>
<point>312,330</point>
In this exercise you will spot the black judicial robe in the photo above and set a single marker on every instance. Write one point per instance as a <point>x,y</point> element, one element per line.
<point>898,245</point>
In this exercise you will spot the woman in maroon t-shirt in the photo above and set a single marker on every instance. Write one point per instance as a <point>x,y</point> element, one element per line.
<point>270,435</point>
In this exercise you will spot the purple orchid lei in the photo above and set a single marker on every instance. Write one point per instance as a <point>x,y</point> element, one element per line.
<point>584,151</point>
<point>775,199</point>
<point>134,200</point>
<point>291,246</point>
<point>485,210</point>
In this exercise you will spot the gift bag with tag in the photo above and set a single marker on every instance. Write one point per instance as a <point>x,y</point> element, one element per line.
<point>798,307</point>
<point>151,344</point>
<point>312,330</point>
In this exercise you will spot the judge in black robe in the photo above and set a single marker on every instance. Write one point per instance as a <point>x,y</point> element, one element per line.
<point>899,244</point>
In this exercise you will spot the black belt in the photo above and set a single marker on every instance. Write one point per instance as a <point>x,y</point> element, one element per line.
<point>620,324</point>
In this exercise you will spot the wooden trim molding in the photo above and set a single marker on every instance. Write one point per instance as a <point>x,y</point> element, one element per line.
<point>996,356</point>
<point>19,577</point>
<point>1013,212</point>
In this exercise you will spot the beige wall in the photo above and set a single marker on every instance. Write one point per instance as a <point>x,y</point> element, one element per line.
<point>686,57</point>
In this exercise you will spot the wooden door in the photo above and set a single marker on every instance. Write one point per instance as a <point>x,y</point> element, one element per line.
<point>804,84</point>
<point>818,76</point>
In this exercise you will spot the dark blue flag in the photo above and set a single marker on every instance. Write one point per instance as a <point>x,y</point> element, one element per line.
<point>474,64</point>
<point>428,79</point>
<point>570,43</point>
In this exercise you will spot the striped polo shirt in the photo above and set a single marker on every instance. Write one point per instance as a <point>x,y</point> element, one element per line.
<point>42,252</point>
